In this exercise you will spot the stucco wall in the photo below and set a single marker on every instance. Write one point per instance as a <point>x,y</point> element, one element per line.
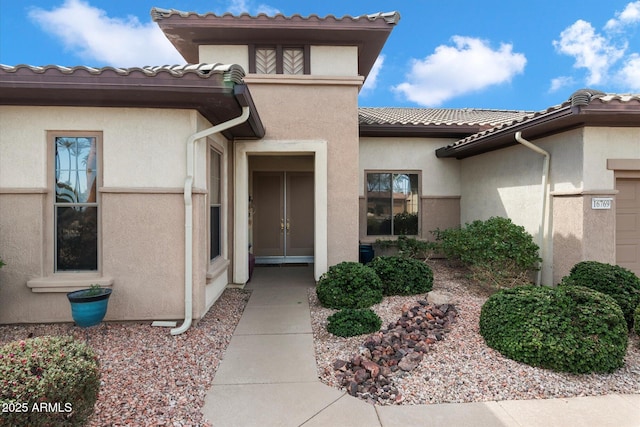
<point>301,109</point>
<point>604,143</point>
<point>440,178</point>
<point>142,212</point>
<point>508,183</point>
<point>225,54</point>
<point>334,60</point>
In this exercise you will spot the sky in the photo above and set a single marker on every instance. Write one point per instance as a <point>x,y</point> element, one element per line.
<point>493,54</point>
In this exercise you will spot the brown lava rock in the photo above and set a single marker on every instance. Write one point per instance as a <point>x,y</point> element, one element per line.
<point>394,351</point>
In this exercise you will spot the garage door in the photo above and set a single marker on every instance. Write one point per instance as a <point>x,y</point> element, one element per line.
<point>628,224</point>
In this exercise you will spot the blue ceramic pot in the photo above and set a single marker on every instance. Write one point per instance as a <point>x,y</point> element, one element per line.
<point>88,310</point>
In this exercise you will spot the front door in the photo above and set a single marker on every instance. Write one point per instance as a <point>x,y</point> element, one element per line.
<point>283,217</point>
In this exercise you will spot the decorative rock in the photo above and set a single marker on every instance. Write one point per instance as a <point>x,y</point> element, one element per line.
<point>393,352</point>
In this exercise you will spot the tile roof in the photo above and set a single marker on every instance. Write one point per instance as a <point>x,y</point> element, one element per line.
<point>389,17</point>
<point>233,73</point>
<point>584,106</point>
<point>437,116</point>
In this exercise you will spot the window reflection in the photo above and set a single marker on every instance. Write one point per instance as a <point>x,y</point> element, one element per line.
<point>392,204</point>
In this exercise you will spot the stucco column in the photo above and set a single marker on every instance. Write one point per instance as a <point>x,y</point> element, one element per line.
<point>584,229</point>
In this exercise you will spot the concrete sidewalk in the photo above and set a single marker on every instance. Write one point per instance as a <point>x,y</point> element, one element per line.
<point>268,378</point>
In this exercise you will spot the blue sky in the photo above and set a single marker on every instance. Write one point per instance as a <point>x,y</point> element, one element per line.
<point>449,54</point>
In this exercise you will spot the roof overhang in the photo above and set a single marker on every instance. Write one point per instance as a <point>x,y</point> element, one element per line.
<point>213,96</point>
<point>419,130</point>
<point>610,113</point>
<point>188,31</point>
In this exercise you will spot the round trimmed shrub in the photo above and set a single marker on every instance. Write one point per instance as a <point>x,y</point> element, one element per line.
<point>351,322</point>
<point>349,285</point>
<point>568,328</point>
<point>402,275</point>
<point>48,381</point>
<point>617,282</point>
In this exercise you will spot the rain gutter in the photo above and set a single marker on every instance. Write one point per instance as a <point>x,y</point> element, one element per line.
<point>545,179</point>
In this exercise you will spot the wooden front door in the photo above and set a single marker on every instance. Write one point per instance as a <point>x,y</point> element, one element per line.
<point>283,217</point>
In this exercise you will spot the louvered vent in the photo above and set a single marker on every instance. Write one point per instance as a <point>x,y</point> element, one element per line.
<point>266,61</point>
<point>293,61</point>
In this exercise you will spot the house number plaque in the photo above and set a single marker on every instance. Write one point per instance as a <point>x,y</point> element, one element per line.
<point>601,202</point>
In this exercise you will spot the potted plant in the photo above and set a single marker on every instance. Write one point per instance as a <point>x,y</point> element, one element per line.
<point>88,306</point>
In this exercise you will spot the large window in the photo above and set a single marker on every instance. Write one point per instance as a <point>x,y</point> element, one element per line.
<point>76,203</point>
<point>215,204</point>
<point>279,60</point>
<point>392,204</point>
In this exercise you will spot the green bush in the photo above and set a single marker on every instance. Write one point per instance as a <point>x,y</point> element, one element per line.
<point>349,285</point>
<point>402,276</point>
<point>617,282</point>
<point>496,250</point>
<point>48,381</point>
<point>351,322</point>
<point>409,246</point>
<point>568,328</point>
<point>636,318</point>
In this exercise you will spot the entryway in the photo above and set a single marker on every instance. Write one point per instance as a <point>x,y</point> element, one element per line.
<point>282,206</point>
<point>628,224</point>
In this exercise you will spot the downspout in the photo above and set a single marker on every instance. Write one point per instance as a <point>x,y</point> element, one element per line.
<point>188,214</point>
<point>545,178</point>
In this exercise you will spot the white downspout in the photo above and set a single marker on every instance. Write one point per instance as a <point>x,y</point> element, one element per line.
<point>188,214</point>
<point>545,178</point>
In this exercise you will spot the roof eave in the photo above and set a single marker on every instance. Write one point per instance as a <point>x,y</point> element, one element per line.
<point>418,131</point>
<point>557,121</point>
<point>217,100</point>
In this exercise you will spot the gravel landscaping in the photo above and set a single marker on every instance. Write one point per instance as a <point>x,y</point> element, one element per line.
<point>460,367</point>
<point>148,376</point>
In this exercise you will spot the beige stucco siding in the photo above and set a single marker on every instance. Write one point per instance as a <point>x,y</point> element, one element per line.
<point>334,60</point>
<point>604,143</point>
<point>440,177</point>
<point>225,54</point>
<point>141,206</point>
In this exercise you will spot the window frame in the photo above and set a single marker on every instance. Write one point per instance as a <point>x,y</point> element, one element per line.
<point>279,48</point>
<point>213,148</point>
<point>392,172</point>
<point>51,240</point>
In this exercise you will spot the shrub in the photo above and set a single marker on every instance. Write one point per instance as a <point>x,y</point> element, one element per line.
<point>617,282</point>
<point>402,276</point>
<point>496,250</point>
<point>351,322</point>
<point>349,285</point>
<point>409,246</point>
<point>48,381</point>
<point>636,319</point>
<point>568,328</point>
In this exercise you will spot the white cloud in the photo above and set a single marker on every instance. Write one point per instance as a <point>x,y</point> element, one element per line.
<point>372,79</point>
<point>630,72</point>
<point>590,50</point>
<point>630,15</point>
<point>90,33</point>
<point>238,7</point>
<point>604,55</point>
<point>469,66</point>
<point>561,82</point>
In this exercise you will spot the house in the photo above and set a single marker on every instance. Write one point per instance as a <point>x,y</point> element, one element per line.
<point>160,181</point>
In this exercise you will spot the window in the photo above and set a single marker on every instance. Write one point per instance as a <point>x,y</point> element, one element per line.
<point>392,204</point>
<point>75,206</point>
<point>279,60</point>
<point>215,245</point>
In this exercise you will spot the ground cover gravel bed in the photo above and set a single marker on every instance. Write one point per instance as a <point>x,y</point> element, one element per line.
<point>461,368</point>
<point>148,376</point>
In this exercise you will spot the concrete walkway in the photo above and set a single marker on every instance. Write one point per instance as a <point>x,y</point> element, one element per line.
<point>268,378</point>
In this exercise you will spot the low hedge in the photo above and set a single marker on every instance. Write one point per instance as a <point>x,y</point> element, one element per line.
<point>349,285</point>
<point>617,282</point>
<point>568,328</point>
<point>351,322</point>
<point>402,276</point>
<point>48,381</point>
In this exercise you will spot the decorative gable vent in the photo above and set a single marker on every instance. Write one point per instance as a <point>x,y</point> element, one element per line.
<point>293,61</point>
<point>266,60</point>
